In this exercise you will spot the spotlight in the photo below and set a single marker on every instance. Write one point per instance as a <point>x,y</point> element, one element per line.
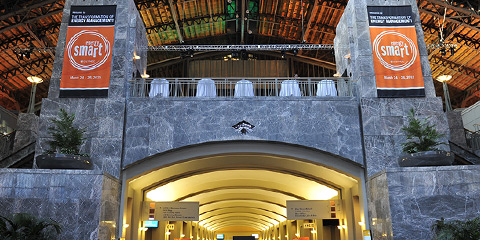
<point>452,50</point>
<point>295,51</point>
<point>283,53</point>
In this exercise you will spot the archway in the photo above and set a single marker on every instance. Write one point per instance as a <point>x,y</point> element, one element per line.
<point>243,186</point>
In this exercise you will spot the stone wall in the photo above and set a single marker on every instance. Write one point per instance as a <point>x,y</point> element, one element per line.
<point>383,119</point>
<point>414,198</point>
<point>81,201</point>
<point>157,125</point>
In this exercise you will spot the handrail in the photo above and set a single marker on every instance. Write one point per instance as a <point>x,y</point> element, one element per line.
<point>6,143</point>
<point>473,139</point>
<point>250,87</point>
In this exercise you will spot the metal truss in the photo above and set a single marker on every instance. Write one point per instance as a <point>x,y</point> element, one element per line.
<point>30,14</point>
<point>258,47</point>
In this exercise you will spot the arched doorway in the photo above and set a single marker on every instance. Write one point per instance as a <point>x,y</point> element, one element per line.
<point>242,187</point>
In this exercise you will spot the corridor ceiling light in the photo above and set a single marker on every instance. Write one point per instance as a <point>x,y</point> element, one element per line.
<point>361,223</point>
<point>444,78</point>
<point>339,227</point>
<point>34,79</point>
<point>126,225</point>
<point>182,235</point>
<point>321,192</point>
<point>297,234</point>
<point>168,233</point>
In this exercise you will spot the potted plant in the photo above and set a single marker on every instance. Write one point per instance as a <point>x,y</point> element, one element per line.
<point>421,146</point>
<point>456,230</point>
<point>64,152</point>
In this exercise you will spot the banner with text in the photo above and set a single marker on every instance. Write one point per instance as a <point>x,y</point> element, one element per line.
<point>88,51</point>
<point>396,59</point>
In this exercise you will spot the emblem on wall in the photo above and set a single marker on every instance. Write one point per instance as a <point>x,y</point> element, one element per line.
<point>243,127</point>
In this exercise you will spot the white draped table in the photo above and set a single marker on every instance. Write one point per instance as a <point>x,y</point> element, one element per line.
<point>326,88</point>
<point>244,88</point>
<point>159,87</point>
<point>206,88</point>
<point>290,88</point>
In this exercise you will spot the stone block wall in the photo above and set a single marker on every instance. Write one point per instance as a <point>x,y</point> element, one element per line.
<point>157,125</point>
<point>82,201</point>
<point>412,199</point>
<point>382,120</point>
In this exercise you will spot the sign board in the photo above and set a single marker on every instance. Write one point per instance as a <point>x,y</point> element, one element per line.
<point>313,209</point>
<point>309,225</point>
<point>396,59</point>
<point>88,51</point>
<point>170,227</point>
<point>150,224</point>
<point>178,211</point>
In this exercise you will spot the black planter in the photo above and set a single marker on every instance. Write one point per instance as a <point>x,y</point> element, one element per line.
<point>427,158</point>
<point>63,161</point>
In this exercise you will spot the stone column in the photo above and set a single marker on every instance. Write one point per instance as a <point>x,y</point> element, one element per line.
<point>103,118</point>
<point>382,118</point>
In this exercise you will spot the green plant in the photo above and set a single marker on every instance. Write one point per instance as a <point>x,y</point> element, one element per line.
<point>24,226</point>
<point>66,138</point>
<point>456,230</point>
<point>421,134</point>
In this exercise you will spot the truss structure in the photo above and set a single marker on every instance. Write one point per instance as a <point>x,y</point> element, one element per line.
<point>261,47</point>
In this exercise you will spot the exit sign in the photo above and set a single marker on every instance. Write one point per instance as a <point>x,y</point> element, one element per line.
<point>309,225</point>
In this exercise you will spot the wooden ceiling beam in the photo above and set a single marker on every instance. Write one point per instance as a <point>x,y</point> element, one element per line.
<point>15,25</point>
<point>446,4</point>
<point>175,20</point>
<point>472,73</point>
<point>448,18</point>
<point>26,10</point>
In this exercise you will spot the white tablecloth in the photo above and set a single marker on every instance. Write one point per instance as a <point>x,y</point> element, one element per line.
<point>326,88</point>
<point>244,88</point>
<point>206,88</point>
<point>159,87</point>
<point>290,88</point>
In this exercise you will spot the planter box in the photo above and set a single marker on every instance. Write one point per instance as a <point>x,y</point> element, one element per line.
<point>427,158</point>
<point>63,161</point>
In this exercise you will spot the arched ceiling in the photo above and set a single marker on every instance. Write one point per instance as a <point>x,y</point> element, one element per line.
<point>29,34</point>
<point>246,188</point>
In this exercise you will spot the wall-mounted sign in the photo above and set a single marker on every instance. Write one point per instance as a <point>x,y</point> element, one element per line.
<point>88,51</point>
<point>178,211</point>
<point>170,227</point>
<point>314,209</point>
<point>396,59</point>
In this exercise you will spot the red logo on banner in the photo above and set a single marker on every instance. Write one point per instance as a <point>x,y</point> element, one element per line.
<point>394,50</point>
<point>88,50</point>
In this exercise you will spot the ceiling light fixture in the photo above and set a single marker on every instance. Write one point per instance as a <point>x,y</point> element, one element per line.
<point>444,78</point>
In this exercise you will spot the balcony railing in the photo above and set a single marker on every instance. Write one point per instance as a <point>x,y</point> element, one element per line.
<point>241,87</point>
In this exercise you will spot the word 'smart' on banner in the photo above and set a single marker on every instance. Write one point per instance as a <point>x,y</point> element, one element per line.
<point>396,59</point>
<point>88,51</point>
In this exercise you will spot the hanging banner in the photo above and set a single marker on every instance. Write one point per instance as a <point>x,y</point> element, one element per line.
<point>88,51</point>
<point>396,59</point>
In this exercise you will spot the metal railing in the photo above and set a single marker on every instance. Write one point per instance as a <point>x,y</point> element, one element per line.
<point>6,143</point>
<point>226,87</point>
<point>473,139</point>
